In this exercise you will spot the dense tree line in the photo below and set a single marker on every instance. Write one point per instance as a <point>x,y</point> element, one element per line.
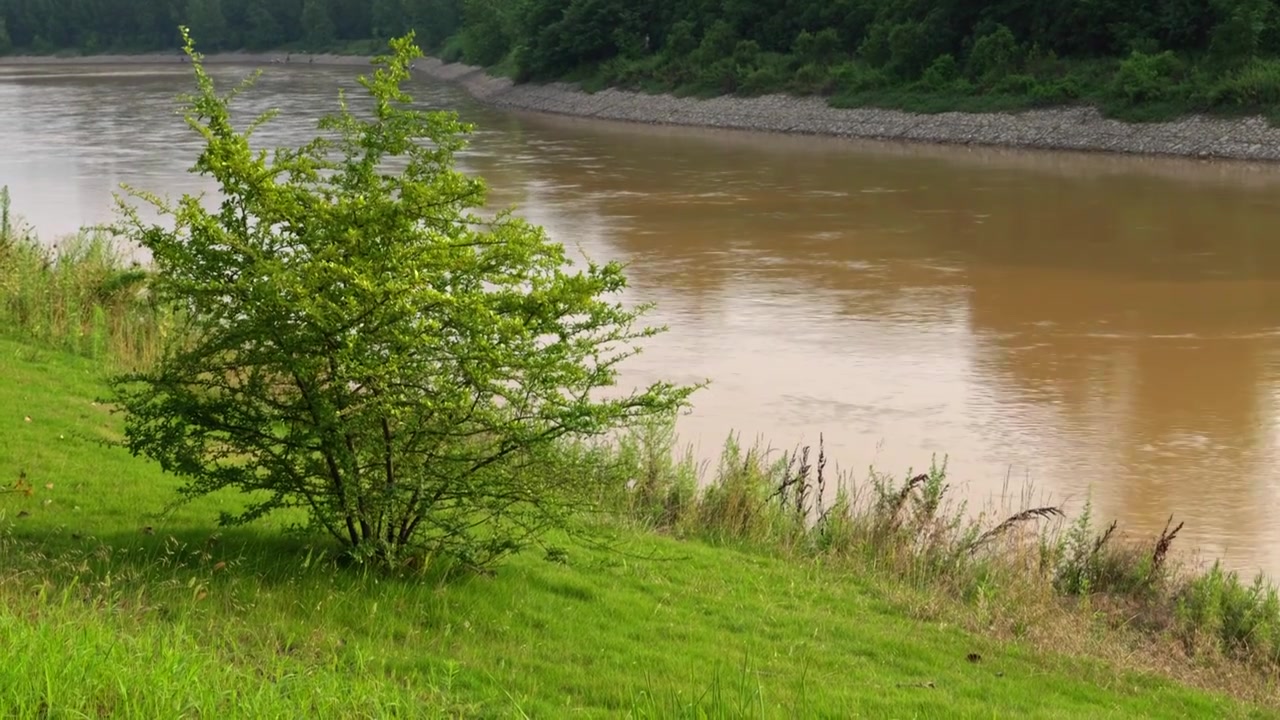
<point>142,25</point>
<point>1183,54</point>
<point>1169,55</point>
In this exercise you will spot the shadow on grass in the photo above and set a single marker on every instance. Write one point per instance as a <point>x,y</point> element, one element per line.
<point>154,559</point>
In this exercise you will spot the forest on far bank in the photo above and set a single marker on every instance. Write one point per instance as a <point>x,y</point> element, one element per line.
<point>1135,59</point>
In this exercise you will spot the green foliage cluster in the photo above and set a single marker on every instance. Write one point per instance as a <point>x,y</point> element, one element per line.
<point>1010,565</point>
<point>46,26</point>
<point>358,342</point>
<point>1131,58</point>
<point>1195,55</point>
<point>104,620</point>
<point>1134,59</point>
<point>80,294</point>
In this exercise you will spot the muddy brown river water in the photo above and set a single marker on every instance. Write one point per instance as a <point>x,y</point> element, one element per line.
<point>1091,325</point>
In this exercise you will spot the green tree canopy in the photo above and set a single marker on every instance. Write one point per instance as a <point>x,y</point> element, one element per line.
<point>264,31</point>
<point>317,25</point>
<point>207,20</point>
<point>361,344</point>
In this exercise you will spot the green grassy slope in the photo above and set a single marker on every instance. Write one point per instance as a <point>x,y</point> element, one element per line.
<point>106,609</point>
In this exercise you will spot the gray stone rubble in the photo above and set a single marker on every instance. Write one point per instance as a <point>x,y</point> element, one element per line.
<point>1050,129</point>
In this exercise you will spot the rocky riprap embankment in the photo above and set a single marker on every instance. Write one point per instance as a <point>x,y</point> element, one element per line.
<point>1051,129</point>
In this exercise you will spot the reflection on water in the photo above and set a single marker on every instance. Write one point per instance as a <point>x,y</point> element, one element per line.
<point>1096,325</point>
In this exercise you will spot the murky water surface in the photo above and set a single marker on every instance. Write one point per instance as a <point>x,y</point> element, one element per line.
<point>1083,323</point>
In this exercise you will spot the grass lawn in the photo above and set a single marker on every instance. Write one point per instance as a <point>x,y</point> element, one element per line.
<point>111,607</point>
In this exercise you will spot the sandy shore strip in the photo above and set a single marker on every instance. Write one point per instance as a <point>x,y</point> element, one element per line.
<point>1080,129</point>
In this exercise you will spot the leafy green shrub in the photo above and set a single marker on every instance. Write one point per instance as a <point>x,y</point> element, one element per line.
<point>1086,563</point>
<point>735,506</point>
<point>676,59</point>
<point>1015,84</point>
<point>489,31</point>
<point>874,48</point>
<point>767,78</point>
<point>627,72</point>
<point>1256,84</point>
<point>362,345</point>
<point>994,56</point>
<point>453,50</point>
<point>719,77</point>
<point>912,46</point>
<point>1244,619</point>
<point>1147,78</point>
<point>903,49</point>
<point>813,79</point>
<point>681,41</point>
<point>942,73</point>
<point>1042,64</point>
<point>717,43</point>
<point>318,28</point>
<point>715,65</point>
<point>661,489</point>
<point>81,294</point>
<point>821,48</point>
<point>1056,92</point>
<point>1236,39</point>
<point>854,77</point>
<point>483,48</point>
<point>746,55</point>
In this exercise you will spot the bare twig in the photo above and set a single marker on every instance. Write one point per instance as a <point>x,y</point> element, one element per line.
<point>1040,513</point>
<point>1162,545</point>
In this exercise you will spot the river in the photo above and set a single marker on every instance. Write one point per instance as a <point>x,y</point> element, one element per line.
<point>1088,326</point>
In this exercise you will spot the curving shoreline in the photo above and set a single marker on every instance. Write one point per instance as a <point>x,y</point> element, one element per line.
<point>1079,129</point>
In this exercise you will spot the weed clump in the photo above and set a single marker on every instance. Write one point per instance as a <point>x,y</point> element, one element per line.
<point>81,294</point>
<point>1027,572</point>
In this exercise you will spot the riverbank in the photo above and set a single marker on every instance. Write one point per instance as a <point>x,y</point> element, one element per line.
<point>134,604</point>
<point>1079,129</point>
<point>1072,129</point>
<point>1011,604</point>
